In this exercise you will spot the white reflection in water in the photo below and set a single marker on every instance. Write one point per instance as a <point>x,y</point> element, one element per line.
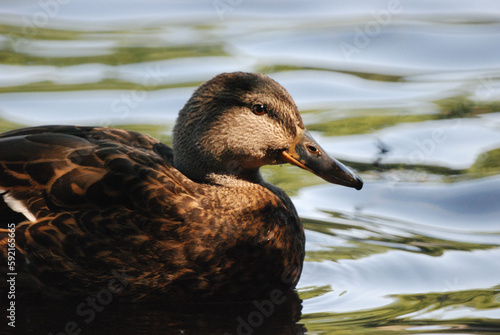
<point>468,206</point>
<point>455,143</point>
<point>369,282</point>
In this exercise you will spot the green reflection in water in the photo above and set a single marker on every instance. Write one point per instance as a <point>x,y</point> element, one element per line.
<point>487,164</point>
<point>314,291</point>
<point>8,125</point>
<point>290,178</point>
<point>365,75</point>
<point>375,241</point>
<point>461,107</point>
<point>411,314</point>
<point>106,84</point>
<point>118,53</point>
<point>27,31</point>
<point>376,119</point>
<point>365,124</point>
<point>119,56</point>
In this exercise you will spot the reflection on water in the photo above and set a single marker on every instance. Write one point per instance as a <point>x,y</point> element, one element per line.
<point>104,316</point>
<point>406,92</point>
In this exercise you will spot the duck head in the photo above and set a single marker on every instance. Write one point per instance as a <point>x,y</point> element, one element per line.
<point>237,122</point>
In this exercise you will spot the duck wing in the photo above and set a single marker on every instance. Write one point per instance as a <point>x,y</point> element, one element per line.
<point>86,200</point>
<point>51,169</point>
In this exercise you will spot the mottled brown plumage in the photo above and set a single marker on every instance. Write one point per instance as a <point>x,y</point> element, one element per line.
<point>106,208</point>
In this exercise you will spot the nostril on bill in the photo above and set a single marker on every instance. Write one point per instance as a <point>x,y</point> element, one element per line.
<point>312,149</point>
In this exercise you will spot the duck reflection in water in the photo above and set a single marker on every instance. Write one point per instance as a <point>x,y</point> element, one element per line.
<point>191,223</point>
<point>93,315</point>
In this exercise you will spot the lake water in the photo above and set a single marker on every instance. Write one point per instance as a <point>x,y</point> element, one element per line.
<point>406,92</point>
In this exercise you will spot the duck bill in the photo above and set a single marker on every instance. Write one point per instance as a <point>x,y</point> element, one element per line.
<point>306,153</point>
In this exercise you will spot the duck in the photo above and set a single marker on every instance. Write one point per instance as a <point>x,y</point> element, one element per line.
<point>115,213</point>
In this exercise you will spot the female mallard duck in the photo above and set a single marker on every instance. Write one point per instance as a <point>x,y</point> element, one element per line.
<point>98,208</point>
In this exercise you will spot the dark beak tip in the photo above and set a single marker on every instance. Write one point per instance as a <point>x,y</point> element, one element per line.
<point>356,183</point>
<point>347,177</point>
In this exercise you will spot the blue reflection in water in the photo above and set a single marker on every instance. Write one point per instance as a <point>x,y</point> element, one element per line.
<point>416,250</point>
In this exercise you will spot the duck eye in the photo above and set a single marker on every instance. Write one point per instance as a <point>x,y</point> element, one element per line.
<point>259,109</point>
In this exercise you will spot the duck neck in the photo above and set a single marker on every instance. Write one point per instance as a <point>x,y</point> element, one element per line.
<point>245,178</point>
<point>225,174</point>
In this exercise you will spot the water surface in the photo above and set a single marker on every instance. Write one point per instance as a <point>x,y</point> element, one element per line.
<point>406,92</point>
